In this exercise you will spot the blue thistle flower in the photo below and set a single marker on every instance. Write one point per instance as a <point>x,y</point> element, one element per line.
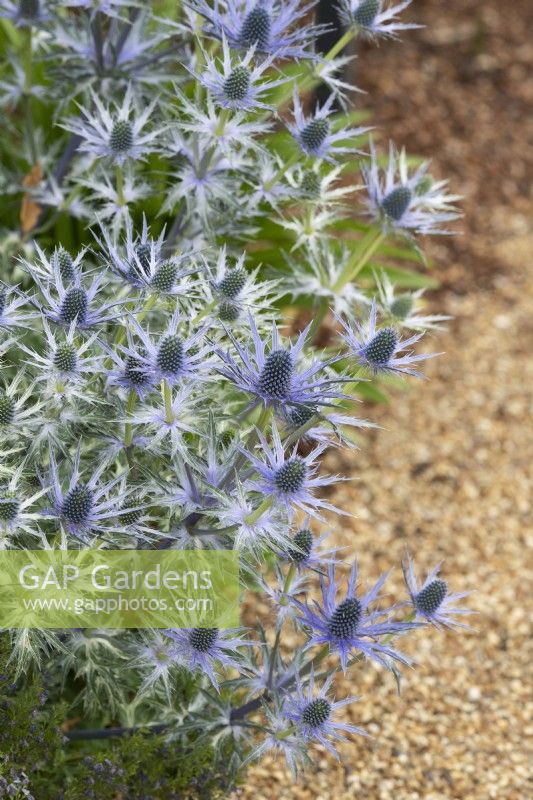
<point>201,649</point>
<point>271,26</point>
<point>414,204</point>
<point>235,289</point>
<point>141,261</point>
<point>85,507</point>
<point>273,378</point>
<point>372,19</point>
<point>313,714</point>
<point>380,349</point>
<point>71,301</point>
<point>290,479</point>
<point>131,370</point>
<point>304,549</point>
<point>432,600</point>
<point>61,266</point>
<point>315,135</point>
<point>171,356</point>
<point>349,625</point>
<point>236,83</point>
<point>403,308</point>
<point>114,133</point>
<point>65,362</point>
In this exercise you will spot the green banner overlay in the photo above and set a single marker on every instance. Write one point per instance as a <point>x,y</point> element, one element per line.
<point>119,589</point>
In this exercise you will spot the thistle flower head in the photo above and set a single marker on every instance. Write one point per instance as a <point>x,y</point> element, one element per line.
<point>235,289</point>
<point>115,132</point>
<point>305,552</point>
<point>374,18</point>
<point>432,601</point>
<point>65,265</point>
<point>303,544</point>
<point>140,260</point>
<point>289,479</point>
<point>204,649</point>
<point>311,184</point>
<point>66,362</point>
<point>381,349</point>
<point>273,28</point>
<point>86,505</point>
<point>70,301</point>
<point>233,282</point>
<point>61,267</point>
<point>121,138</point>
<point>403,309</point>
<point>273,376</point>
<point>171,355</point>
<point>314,134</point>
<point>74,306</point>
<point>237,82</point>
<point>7,409</point>
<point>349,624</point>
<point>291,476</point>
<point>77,506</point>
<point>406,203</point>
<point>313,714</point>
<point>131,369</point>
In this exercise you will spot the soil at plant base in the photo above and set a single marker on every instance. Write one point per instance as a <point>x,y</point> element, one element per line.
<point>450,475</point>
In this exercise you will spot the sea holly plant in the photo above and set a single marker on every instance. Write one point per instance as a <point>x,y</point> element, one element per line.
<point>202,271</point>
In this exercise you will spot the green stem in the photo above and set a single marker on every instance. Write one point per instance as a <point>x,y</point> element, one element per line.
<point>119,174</point>
<point>359,258</point>
<point>345,39</point>
<point>205,311</point>
<point>166,392</point>
<point>301,431</point>
<point>222,120</point>
<point>308,80</point>
<point>259,511</point>
<point>282,171</point>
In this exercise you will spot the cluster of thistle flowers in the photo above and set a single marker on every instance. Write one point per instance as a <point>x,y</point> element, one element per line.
<point>111,415</point>
<point>150,396</point>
